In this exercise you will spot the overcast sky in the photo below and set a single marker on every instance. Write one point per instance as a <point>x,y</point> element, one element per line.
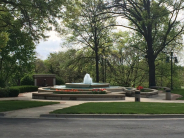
<point>52,44</point>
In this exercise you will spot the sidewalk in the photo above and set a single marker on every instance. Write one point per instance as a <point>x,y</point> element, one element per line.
<point>44,110</point>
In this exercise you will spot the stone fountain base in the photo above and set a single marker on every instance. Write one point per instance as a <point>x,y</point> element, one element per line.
<point>52,93</point>
<point>51,96</point>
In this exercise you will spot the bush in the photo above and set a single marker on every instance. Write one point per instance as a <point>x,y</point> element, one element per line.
<point>4,92</point>
<point>2,82</point>
<point>27,80</point>
<point>59,81</point>
<point>26,88</point>
<point>13,92</point>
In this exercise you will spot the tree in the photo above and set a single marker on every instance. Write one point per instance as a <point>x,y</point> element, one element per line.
<point>35,16</point>
<point>17,57</point>
<point>156,21</point>
<point>87,26</point>
<point>128,68</point>
<point>40,66</point>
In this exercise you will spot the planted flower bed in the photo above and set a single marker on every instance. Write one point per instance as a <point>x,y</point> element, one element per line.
<point>80,91</point>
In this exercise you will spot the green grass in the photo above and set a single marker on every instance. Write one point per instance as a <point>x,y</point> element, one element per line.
<point>123,108</point>
<point>180,92</point>
<point>15,105</point>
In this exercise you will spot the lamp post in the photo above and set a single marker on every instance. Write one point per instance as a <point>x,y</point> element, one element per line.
<point>175,61</point>
<point>171,70</point>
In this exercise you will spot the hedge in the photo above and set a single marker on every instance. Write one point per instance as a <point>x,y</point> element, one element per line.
<point>26,88</point>
<point>15,90</point>
<point>4,92</point>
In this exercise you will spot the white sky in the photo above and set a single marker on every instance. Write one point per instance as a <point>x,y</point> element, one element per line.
<point>52,44</point>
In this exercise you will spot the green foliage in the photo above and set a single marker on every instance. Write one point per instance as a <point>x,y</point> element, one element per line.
<point>3,39</point>
<point>26,88</point>
<point>4,92</point>
<point>2,83</point>
<point>22,23</point>
<point>156,25</point>
<point>9,92</point>
<point>36,16</point>
<point>59,81</point>
<point>180,92</point>
<point>17,57</point>
<point>89,25</point>
<point>27,80</point>
<point>13,92</point>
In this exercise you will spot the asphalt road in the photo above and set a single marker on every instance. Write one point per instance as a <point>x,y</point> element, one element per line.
<point>93,128</point>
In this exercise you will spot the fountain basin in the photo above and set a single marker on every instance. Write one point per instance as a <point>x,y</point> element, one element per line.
<point>63,87</point>
<point>83,85</point>
<point>76,91</point>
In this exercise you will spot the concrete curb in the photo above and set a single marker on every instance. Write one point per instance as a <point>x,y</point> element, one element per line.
<point>115,116</point>
<point>2,114</point>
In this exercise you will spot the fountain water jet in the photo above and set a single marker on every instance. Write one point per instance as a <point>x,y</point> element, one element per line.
<point>87,79</point>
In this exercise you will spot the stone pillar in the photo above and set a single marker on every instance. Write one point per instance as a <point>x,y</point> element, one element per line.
<point>137,96</point>
<point>35,82</point>
<point>168,94</point>
<point>54,81</point>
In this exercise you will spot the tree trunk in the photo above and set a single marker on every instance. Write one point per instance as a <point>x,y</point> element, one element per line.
<point>97,68</point>
<point>96,55</point>
<point>151,63</point>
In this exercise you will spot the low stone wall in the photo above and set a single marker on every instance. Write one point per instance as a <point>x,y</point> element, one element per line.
<point>131,92</point>
<point>50,96</point>
<point>159,87</point>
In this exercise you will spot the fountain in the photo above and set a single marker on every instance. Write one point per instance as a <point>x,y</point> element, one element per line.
<point>87,83</point>
<point>85,90</point>
<point>87,79</point>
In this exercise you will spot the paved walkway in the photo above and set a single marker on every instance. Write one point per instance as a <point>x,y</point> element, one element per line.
<point>37,111</point>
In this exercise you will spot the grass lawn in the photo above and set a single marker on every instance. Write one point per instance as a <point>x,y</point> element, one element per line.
<point>15,105</point>
<point>179,91</point>
<point>123,108</point>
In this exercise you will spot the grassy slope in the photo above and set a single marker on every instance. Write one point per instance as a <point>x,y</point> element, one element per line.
<point>180,92</point>
<point>15,105</point>
<point>124,108</point>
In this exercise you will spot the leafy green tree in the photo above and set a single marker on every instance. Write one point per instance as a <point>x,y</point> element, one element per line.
<point>27,80</point>
<point>40,66</point>
<point>157,24</point>
<point>35,16</point>
<point>17,57</point>
<point>87,26</point>
<point>3,39</point>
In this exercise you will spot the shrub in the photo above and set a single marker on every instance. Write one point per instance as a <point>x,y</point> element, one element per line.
<point>59,81</point>
<point>13,92</point>
<point>26,88</point>
<point>4,92</point>
<point>27,80</point>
